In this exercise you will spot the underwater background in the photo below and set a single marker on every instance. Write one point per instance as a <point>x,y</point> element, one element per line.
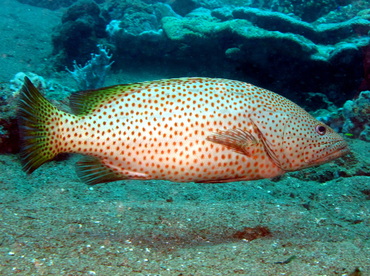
<point>309,222</point>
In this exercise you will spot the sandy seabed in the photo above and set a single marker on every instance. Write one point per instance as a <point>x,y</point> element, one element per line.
<point>52,224</point>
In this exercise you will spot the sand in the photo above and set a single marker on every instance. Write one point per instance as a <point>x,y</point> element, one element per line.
<point>52,224</point>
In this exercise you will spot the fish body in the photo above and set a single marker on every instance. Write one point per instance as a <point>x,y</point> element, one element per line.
<point>182,130</point>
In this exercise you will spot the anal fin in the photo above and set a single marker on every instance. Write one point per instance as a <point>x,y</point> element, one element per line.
<point>92,171</point>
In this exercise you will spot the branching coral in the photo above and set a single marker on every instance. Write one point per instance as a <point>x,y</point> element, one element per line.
<point>93,74</point>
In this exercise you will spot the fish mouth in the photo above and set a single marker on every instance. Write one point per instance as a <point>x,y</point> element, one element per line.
<point>339,149</point>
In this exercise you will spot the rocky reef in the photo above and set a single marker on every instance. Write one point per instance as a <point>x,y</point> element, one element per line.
<point>82,27</point>
<point>270,47</point>
<point>353,118</point>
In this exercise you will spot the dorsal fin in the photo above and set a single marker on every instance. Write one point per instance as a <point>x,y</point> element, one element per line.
<point>84,102</point>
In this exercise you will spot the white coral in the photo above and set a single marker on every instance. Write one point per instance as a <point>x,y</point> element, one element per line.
<point>93,74</point>
<point>113,27</point>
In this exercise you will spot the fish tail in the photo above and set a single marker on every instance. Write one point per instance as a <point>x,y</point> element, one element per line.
<point>35,117</point>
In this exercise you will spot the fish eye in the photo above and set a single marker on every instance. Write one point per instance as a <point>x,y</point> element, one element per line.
<point>320,129</point>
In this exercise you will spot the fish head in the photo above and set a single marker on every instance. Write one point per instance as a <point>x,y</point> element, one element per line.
<point>299,140</point>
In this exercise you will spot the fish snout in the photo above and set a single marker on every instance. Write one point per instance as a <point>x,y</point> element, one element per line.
<point>334,150</point>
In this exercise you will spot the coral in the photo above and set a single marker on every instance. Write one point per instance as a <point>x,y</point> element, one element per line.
<point>353,118</point>
<point>275,50</point>
<point>357,116</point>
<point>82,27</point>
<point>50,87</point>
<point>343,13</point>
<point>184,7</point>
<point>113,27</point>
<point>93,74</point>
<point>307,10</point>
<point>268,46</point>
<point>17,82</point>
<point>137,33</point>
<point>317,33</point>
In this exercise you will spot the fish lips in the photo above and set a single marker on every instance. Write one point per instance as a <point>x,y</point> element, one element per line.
<point>339,149</point>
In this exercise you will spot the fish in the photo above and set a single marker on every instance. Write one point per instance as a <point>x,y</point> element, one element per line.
<point>205,130</point>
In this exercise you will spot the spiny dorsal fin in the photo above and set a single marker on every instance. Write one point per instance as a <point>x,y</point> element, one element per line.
<point>84,102</point>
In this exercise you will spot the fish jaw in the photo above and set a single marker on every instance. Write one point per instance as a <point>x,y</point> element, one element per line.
<point>335,151</point>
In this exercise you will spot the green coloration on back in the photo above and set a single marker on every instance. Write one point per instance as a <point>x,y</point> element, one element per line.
<point>84,102</point>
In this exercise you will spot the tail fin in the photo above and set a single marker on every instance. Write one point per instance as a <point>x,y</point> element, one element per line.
<point>35,116</point>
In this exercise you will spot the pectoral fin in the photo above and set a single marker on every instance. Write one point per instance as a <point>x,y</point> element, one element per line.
<point>244,142</point>
<point>239,140</point>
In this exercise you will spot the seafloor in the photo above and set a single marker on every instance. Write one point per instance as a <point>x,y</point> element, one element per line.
<point>52,224</point>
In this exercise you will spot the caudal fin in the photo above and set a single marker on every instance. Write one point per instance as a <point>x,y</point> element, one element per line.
<point>35,115</point>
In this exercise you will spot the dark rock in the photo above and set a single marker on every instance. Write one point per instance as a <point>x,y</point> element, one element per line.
<point>76,37</point>
<point>136,33</point>
<point>223,14</point>
<point>353,118</point>
<point>270,49</point>
<point>184,7</point>
<point>162,10</point>
<point>357,116</point>
<point>346,12</point>
<point>274,21</point>
<point>307,10</point>
<point>83,9</point>
<point>9,137</point>
<point>118,9</point>
<point>276,51</point>
<point>318,33</point>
